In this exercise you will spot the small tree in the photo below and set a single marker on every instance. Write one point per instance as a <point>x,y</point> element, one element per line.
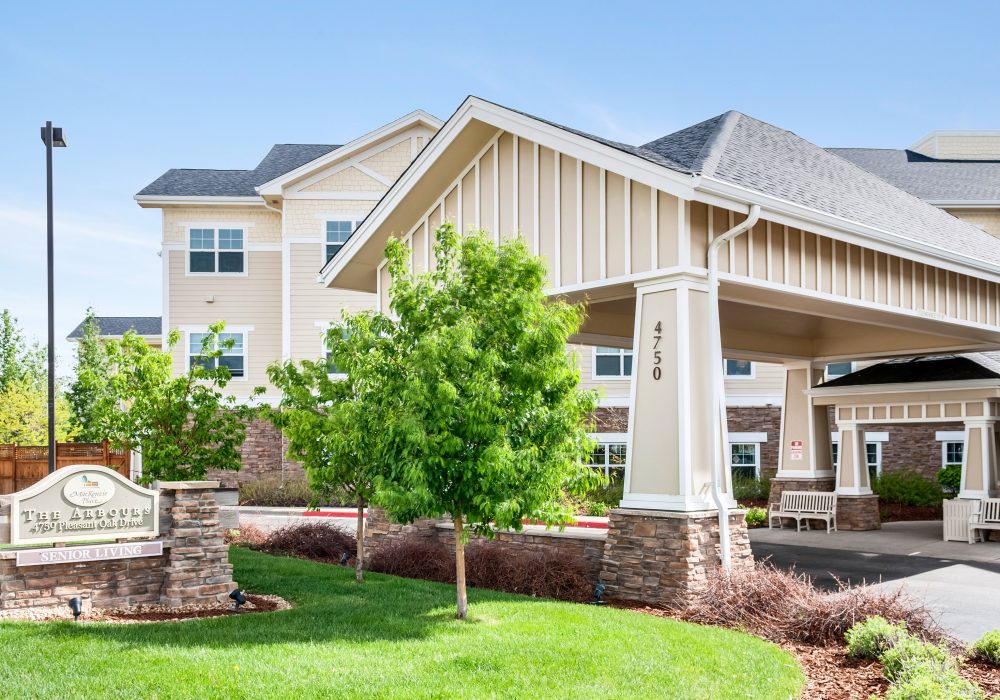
<point>91,384</point>
<point>24,415</point>
<point>184,425</point>
<point>484,418</point>
<point>19,362</point>
<point>331,421</point>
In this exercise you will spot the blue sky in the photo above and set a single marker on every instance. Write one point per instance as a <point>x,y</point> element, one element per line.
<point>140,88</point>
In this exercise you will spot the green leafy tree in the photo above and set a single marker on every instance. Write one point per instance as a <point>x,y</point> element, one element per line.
<point>24,416</point>
<point>182,425</point>
<point>332,422</point>
<point>92,382</point>
<point>19,361</point>
<point>483,418</point>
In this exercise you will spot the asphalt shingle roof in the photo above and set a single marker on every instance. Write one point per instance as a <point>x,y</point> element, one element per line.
<point>930,178</point>
<point>937,368</point>
<point>118,325</point>
<point>281,159</point>
<point>745,151</point>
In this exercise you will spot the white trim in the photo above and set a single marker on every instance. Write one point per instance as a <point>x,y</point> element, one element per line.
<point>621,362</point>
<point>349,149</point>
<point>874,436</point>
<point>754,400</point>
<point>245,331</point>
<point>920,387</point>
<point>609,437</point>
<point>738,377</point>
<point>216,250</point>
<point>155,201</point>
<point>949,436</point>
<point>286,292</point>
<point>748,437</point>
<point>613,401</point>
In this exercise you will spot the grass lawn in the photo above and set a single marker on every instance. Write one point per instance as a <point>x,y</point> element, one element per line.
<point>390,638</point>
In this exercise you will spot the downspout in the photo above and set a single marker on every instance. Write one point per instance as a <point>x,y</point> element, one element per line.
<point>718,385</point>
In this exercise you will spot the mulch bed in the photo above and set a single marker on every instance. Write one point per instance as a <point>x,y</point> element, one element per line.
<point>833,675</point>
<point>897,512</point>
<point>149,613</point>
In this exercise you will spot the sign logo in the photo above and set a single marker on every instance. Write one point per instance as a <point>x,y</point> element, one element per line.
<point>89,490</point>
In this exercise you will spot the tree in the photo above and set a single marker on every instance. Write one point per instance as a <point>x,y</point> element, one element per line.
<point>482,415</point>
<point>24,415</point>
<point>92,382</point>
<point>19,362</point>
<point>184,425</point>
<point>331,421</point>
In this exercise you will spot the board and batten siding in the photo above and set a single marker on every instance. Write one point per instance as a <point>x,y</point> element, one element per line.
<point>588,223</point>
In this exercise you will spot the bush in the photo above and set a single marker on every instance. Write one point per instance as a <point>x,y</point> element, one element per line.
<point>987,648</point>
<point>873,637</point>
<point>535,573</point>
<point>747,489</point>
<point>785,607</point>
<point>927,686</point>
<point>319,541</point>
<point>246,536</point>
<point>909,656</point>
<point>274,493</point>
<point>596,508</point>
<point>950,478</point>
<point>908,488</point>
<point>756,517</point>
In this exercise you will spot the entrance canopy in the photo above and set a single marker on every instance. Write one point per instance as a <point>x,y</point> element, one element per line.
<point>826,262</point>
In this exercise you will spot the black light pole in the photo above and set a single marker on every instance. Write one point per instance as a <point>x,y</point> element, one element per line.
<point>52,137</point>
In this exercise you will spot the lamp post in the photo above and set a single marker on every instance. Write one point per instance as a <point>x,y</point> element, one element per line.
<point>51,137</point>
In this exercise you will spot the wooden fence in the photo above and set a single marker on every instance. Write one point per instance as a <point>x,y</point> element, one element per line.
<point>23,465</point>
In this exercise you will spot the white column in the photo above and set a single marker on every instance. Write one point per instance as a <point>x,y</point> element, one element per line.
<point>805,434</point>
<point>979,460</point>
<point>671,413</point>
<point>852,461</point>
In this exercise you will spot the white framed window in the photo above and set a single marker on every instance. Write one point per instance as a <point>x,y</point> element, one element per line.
<point>738,369</point>
<point>745,459</point>
<point>611,452</point>
<point>216,251</point>
<point>336,235</point>
<point>233,357</point>
<point>612,363</point>
<point>838,369</point>
<point>952,446</point>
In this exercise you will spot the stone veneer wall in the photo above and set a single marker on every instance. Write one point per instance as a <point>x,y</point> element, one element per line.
<point>759,419</point>
<point>194,568</point>
<point>263,457</point>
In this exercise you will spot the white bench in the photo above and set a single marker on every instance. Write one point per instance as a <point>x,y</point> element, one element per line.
<point>985,516</point>
<point>805,505</point>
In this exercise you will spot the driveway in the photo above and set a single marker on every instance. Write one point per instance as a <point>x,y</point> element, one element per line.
<point>960,594</point>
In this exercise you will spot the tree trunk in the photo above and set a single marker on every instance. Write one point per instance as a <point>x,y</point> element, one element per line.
<point>462,598</point>
<point>359,560</point>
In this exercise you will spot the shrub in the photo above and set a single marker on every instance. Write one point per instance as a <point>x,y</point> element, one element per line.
<point>319,541</point>
<point>785,607</point>
<point>596,508</point>
<point>950,478</point>
<point>908,488</point>
<point>909,656</point>
<point>536,573</point>
<point>873,637</point>
<point>275,493</point>
<point>747,489</point>
<point>246,536</point>
<point>756,517</point>
<point>927,686</point>
<point>987,648</point>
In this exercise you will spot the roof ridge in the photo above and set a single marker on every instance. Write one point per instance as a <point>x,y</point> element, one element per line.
<point>715,145</point>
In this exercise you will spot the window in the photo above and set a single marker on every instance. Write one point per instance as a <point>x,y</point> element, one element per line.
<point>838,369</point>
<point>216,251</point>
<point>744,460</point>
<point>738,369</point>
<point>608,455</point>
<point>612,362</point>
<point>233,355</point>
<point>337,233</point>
<point>951,453</point>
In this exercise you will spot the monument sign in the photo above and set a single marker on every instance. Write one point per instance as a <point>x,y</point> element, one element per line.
<point>83,503</point>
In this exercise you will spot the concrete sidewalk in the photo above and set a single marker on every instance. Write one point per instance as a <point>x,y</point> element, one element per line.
<point>919,538</point>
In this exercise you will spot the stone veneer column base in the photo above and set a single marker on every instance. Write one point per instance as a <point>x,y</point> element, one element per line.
<point>663,558</point>
<point>786,483</point>
<point>858,513</point>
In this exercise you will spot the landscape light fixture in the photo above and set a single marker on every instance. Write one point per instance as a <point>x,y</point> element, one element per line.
<point>598,592</point>
<point>238,599</point>
<point>344,558</point>
<point>52,137</point>
<point>76,605</point>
